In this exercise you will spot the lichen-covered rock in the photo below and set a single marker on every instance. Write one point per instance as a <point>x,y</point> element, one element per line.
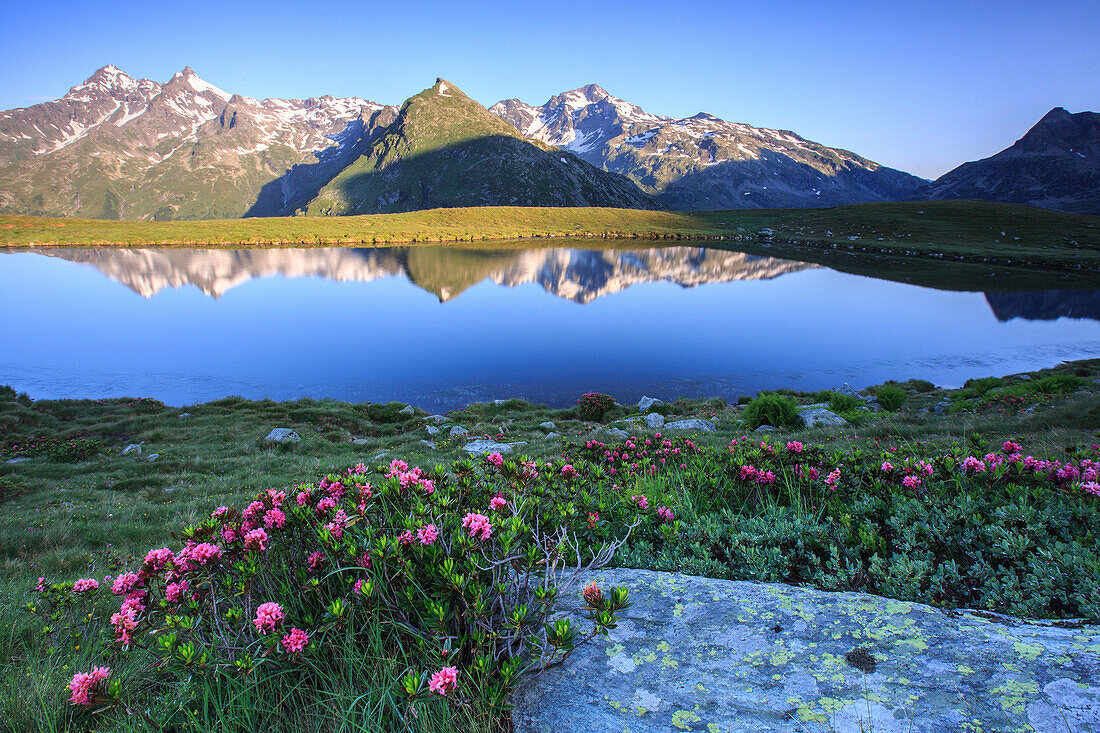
<point>820,416</point>
<point>458,432</point>
<point>490,446</point>
<point>548,426</point>
<point>654,421</point>
<point>693,424</point>
<point>646,403</point>
<point>283,435</point>
<point>714,655</point>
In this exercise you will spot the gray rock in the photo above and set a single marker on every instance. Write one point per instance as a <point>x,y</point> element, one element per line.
<point>617,433</point>
<point>380,456</point>
<point>498,403</point>
<point>874,405</point>
<point>152,457</point>
<point>647,402</point>
<point>693,424</point>
<point>490,446</point>
<point>940,407</point>
<point>407,410</point>
<point>548,425</point>
<point>1027,378</point>
<point>821,417</point>
<point>360,441</point>
<point>133,448</point>
<point>766,232</point>
<point>552,436</point>
<point>815,406</point>
<point>458,432</point>
<point>427,443</point>
<point>850,391</point>
<point>432,429</point>
<point>184,415</point>
<point>654,420</point>
<point>21,459</point>
<point>766,429</point>
<point>283,435</point>
<point>437,419</point>
<point>701,654</point>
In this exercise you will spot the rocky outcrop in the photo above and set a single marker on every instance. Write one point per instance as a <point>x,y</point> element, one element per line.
<point>701,654</point>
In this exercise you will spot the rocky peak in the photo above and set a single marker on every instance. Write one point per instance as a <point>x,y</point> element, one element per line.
<point>1062,129</point>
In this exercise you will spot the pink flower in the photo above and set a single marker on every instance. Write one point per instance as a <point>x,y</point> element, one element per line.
<point>496,459</point>
<point>1009,447</point>
<point>125,583</point>
<point>794,446</point>
<point>85,584</point>
<point>295,641</point>
<point>365,561</point>
<point>427,534</point>
<point>1092,487</point>
<point>396,467</point>
<point>444,680</point>
<point>665,514</point>
<point>406,537</point>
<point>477,525</point>
<point>497,503</point>
<point>316,560</point>
<point>255,509</point>
<point>176,592</point>
<point>325,504</point>
<point>41,584</point>
<point>833,478</point>
<point>219,511</point>
<point>887,466</point>
<point>268,616</point>
<point>84,685</point>
<point>202,553</point>
<point>640,500</point>
<point>910,482</point>
<point>256,540</point>
<point>229,535</point>
<point>970,463</point>
<point>569,472</point>
<point>274,518</point>
<point>125,621</point>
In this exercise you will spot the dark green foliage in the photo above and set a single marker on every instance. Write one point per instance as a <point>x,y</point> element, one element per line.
<point>840,403</point>
<point>891,397</point>
<point>978,387</point>
<point>920,385</point>
<point>772,409</point>
<point>594,405</point>
<point>387,413</point>
<point>1057,384</point>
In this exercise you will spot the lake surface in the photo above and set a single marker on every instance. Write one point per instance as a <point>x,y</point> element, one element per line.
<point>443,327</point>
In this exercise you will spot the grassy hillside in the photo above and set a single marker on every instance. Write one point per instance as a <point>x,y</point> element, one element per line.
<point>963,231</point>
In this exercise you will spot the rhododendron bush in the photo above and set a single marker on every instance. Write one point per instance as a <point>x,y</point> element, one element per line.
<point>464,567</point>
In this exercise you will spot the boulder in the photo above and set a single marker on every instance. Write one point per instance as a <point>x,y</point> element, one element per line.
<point>458,432</point>
<point>819,417</point>
<point>941,407</point>
<point>21,459</point>
<point>766,429</point>
<point>498,403</point>
<point>432,429</point>
<point>701,654</point>
<point>184,415</point>
<point>654,421</point>
<point>693,424</point>
<point>407,410</point>
<point>617,433</point>
<point>427,443</point>
<point>437,419</point>
<point>850,391</point>
<point>360,441</point>
<point>132,449</point>
<point>553,436</point>
<point>152,457</point>
<point>490,446</point>
<point>283,435</point>
<point>548,425</point>
<point>647,402</point>
<point>380,456</point>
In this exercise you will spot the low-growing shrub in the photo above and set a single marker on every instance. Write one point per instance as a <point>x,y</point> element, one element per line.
<point>844,402</point>
<point>1057,384</point>
<point>594,405</point>
<point>890,397</point>
<point>462,568</point>
<point>978,387</point>
<point>919,385</point>
<point>772,409</point>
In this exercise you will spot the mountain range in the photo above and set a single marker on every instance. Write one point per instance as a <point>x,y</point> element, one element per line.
<point>116,147</point>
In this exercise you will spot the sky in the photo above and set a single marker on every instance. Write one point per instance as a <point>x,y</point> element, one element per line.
<point>922,87</point>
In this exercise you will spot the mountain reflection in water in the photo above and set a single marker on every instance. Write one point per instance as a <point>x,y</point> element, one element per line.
<point>579,275</point>
<point>430,324</point>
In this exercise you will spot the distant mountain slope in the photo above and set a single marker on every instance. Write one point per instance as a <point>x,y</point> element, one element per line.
<point>445,150</point>
<point>119,148</point>
<point>703,162</point>
<point>1056,165</point>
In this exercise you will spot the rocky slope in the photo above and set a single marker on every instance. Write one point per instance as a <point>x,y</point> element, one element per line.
<point>575,274</point>
<point>1056,165</point>
<point>116,147</point>
<point>443,149</point>
<point>703,162</point>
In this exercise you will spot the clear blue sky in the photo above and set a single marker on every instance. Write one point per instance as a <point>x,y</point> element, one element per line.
<point>922,87</point>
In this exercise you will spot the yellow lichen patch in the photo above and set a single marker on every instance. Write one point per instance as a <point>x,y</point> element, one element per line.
<point>681,719</point>
<point>963,669</point>
<point>1030,652</point>
<point>678,609</point>
<point>614,650</point>
<point>662,646</point>
<point>669,662</point>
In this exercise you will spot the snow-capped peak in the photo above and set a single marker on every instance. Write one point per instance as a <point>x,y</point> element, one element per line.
<point>188,76</point>
<point>111,78</point>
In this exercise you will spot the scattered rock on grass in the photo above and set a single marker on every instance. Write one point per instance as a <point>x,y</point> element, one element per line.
<point>654,420</point>
<point>693,424</point>
<point>552,436</point>
<point>490,446</point>
<point>22,459</point>
<point>617,433</point>
<point>184,415</point>
<point>766,429</point>
<point>821,417</point>
<point>547,425</point>
<point>437,419</point>
<point>458,432</point>
<point>152,457</point>
<point>432,429</point>
<point>132,449</point>
<point>360,441</point>
<point>407,410</point>
<point>427,443</point>
<point>380,456</point>
<point>646,403</point>
<point>283,435</point>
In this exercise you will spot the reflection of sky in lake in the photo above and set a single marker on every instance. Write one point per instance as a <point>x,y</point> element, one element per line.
<point>70,332</point>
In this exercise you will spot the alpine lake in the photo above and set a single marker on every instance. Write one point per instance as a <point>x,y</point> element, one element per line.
<point>442,327</point>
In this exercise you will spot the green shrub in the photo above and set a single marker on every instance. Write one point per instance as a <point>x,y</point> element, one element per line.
<point>919,385</point>
<point>891,397</point>
<point>1056,384</point>
<point>772,409</point>
<point>593,405</point>
<point>979,387</point>
<point>839,403</point>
